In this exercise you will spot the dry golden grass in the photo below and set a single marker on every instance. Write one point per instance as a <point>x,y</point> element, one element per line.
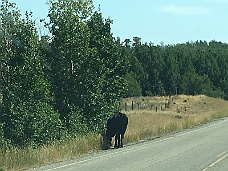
<point>180,112</point>
<point>18,159</point>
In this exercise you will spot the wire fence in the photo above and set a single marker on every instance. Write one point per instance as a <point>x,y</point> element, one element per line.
<point>145,105</point>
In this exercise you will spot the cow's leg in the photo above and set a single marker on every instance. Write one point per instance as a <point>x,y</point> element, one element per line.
<point>121,140</point>
<point>117,141</point>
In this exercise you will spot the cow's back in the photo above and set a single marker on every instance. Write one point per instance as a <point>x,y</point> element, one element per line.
<point>117,124</point>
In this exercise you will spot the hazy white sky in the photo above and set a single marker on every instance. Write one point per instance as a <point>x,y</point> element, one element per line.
<point>168,21</point>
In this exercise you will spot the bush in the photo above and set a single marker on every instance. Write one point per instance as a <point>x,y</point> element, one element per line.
<point>134,89</point>
<point>216,93</point>
<point>31,124</point>
<point>77,124</point>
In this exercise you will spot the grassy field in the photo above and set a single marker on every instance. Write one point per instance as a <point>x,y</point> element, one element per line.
<point>150,118</point>
<point>173,114</point>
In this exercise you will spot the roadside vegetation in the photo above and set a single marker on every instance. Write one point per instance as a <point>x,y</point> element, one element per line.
<point>144,124</point>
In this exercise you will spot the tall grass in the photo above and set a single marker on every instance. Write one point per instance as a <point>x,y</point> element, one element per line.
<point>14,158</point>
<point>183,112</point>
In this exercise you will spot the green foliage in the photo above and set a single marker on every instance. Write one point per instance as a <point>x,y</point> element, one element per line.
<point>194,84</point>
<point>86,65</point>
<point>32,123</point>
<point>134,89</point>
<point>70,55</point>
<point>26,113</point>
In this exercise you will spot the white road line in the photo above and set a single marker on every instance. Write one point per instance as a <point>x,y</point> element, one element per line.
<point>222,153</point>
<point>221,156</point>
<point>82,161</point>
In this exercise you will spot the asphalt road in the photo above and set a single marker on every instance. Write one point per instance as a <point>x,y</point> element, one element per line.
<point>203,148</point>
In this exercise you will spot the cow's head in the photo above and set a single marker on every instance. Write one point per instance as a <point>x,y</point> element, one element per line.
<point>105,140</point>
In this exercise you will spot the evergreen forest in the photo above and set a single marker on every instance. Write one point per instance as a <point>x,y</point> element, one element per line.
<point>68,82</point>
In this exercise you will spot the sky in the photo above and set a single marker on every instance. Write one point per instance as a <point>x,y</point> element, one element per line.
<point>156,21</point>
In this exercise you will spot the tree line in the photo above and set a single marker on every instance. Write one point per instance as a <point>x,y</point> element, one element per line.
<point>67,83</point>
<point>189,68</point>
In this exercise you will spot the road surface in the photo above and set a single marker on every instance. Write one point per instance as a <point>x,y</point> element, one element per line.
<point>203,148</point>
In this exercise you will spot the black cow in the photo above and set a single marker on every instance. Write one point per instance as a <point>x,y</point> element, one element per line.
<point>116,127</point>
